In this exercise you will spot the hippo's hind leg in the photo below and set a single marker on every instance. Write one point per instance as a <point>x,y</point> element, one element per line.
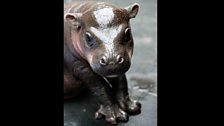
<point>72,86</point>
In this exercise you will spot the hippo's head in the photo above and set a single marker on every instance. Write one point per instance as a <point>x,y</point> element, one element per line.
<point>102,35</point>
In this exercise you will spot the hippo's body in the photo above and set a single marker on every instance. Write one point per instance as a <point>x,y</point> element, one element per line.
<point>98,46</point>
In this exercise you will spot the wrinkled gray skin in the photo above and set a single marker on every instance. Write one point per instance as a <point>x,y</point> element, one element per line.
<point>98,46</point>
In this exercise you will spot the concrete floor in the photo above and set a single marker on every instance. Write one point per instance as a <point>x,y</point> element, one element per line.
<point>142,76</point>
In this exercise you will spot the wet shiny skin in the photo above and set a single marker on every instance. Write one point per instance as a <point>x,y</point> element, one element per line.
<point>115,103</point>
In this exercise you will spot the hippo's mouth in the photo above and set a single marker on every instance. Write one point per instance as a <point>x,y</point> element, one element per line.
<point>112,76</point>
<point>112,71</point>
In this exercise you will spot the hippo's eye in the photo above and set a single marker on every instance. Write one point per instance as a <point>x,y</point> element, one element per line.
<point>127,34</point>
<point>89,39</point>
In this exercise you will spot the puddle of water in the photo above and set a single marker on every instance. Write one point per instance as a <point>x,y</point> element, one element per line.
<point>144,83</point>
<point>140,86</point>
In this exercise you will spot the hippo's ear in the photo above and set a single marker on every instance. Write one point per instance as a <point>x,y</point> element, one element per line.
<point>73,18</point>
<point>132,10</point>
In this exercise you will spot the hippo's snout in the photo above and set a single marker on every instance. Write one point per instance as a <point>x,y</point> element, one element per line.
<point>111,66</point>
<point>111,61</point>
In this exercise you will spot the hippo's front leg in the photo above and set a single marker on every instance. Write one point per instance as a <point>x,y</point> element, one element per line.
<point>102,91</point>
<point>122,96</point>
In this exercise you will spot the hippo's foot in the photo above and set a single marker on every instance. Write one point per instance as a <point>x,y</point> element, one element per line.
<point>112,114</point>
<point>130,106</point>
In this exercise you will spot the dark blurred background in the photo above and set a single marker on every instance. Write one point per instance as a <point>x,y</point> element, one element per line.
<point>142,76</point>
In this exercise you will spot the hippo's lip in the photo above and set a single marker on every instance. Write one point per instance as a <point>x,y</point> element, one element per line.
<point>112,76</point>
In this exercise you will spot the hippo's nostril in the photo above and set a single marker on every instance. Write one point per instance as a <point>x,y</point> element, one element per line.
<point>120,59</point>
<point>103,60</point>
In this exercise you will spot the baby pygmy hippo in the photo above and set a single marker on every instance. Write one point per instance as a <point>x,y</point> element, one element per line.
<point>98,47</point>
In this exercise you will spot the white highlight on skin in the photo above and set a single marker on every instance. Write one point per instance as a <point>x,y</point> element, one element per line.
<point>104,16</point>
<point>90,58</point>
<point>130,54</point>
<point>107,82</point>
<point>122,112</point>
<point>111,76</point>
<point>78,7</point>
<point>107,36</point>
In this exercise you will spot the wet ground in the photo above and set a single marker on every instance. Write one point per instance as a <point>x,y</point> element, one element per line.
<point>142,76</point>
